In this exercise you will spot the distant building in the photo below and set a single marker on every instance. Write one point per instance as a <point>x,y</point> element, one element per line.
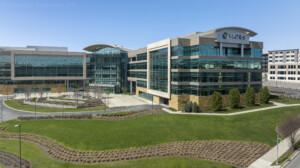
<point>284,65</point>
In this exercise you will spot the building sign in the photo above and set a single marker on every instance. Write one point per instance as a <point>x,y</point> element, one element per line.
<point>228,36</point>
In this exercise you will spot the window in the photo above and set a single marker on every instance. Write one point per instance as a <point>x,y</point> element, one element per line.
<point>281,78</point>
<point>273,66</point>
<point>276,57</point>
<point>298,78</point>
<point>272,72</point>
<point>281,67</point>
<point>272,77</point>
<point>270,57</point>
<point>281,72</point>
<point>292,60</point>
<point>291,78</point>
<point>292,66</point>
<point>292,72</point>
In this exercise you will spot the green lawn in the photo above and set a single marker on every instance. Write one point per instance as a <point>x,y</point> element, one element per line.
<point>39,159</point>
<point>283,158</point>
<point>98,135</point>
<point>284,100</point>
<point>243,108</point>
<point>19,105</point>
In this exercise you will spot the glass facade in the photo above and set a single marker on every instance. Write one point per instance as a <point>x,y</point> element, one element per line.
<point>208,90</point>
<point>210,50</point>
<point>142,65</point>
<point>48,66</point>
<point>159,70</point>
<point>135,74</point>
<point>142,84</point>
<point>215,64</point>
<point>145,95</point>
<point>210,77</point>
<point>109,66</point>
<point>141,57</point>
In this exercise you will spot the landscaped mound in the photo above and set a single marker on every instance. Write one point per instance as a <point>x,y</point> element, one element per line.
<point>127,114</point>
<point>236,153</point>
<point>59,117</point>
<point>12,161</point>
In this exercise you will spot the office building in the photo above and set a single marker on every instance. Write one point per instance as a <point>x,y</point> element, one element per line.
<point>186,68</point>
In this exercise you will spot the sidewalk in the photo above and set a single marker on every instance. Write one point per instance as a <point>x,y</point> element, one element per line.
<point>277,105</point>
<point>267,159</point>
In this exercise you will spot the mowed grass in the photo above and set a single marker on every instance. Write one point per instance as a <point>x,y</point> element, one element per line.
<point>19,105</point>
<point>285,100</point>
<point>98,135</point>
<point>39,159</point>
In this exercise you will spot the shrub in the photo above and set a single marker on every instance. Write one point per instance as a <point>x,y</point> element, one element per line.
<point>216,101</point>
<point>264,95</point>
<point>234,98</point>
<point>117,114</point>
<point>33,99</point>
<point>250,96</point>
<point>187,107</point>
<point>195,107</point>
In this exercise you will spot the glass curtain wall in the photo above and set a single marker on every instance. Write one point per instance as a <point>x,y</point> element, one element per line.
<point>159,70</point>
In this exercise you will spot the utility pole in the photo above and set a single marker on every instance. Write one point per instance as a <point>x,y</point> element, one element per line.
<point>19,125</point>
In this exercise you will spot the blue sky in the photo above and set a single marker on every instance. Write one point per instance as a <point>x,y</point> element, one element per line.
<point>135,23</point>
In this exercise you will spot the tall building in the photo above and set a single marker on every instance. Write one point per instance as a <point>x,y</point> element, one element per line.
<point>176,71</point>
<point>107,67</point>
<point>53,68</point>
<point>265,62</point>
<point>284,66</point>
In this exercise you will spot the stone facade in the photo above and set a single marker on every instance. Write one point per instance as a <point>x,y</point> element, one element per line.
<point>140,89</point>
<point>9,89</point>
<point>177,101</point>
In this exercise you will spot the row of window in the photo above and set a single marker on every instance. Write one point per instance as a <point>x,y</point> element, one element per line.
<point>288,56</point>
<point>284,66</point>
<point>135,74</point>
<point>284,78</point>
<point>215,64</point>
<point>159,70</point>
<point>281,60</point>
<point>280,52</point>
<point>142,65</point>
<point>142,84</point>
<point>216,76</point>
<point>208,90</point>
<point>5,58</point>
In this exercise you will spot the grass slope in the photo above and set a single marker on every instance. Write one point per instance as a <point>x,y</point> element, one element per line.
<point>21,106</point>
<point>98,135</point>
<point>39,159</point>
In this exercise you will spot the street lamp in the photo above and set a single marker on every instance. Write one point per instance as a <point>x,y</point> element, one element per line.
<point>278,139</point>
<point>19,125</point>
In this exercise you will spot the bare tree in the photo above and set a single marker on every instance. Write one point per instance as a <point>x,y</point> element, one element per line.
<point>76,95</point>
<point>27,91</point>
<point>98,92</point>
<point>289,129</point>
<point>41,91</point>
<point>59,89</point>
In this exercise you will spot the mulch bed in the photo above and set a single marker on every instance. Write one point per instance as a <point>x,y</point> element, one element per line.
<point>240,154</point>
<point>137,114</point>
<point>12,161</point>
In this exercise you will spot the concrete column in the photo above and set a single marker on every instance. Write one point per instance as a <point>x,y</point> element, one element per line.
<point>130,86</point>
<point>242,50</point>
<point>221,49</point>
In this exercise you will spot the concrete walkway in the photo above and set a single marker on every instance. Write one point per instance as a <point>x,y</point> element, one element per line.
<point>277,105</point>
<point>270,157</point>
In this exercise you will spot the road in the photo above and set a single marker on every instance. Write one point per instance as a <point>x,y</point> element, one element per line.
<point>295,163</point>
<point>10,114</point>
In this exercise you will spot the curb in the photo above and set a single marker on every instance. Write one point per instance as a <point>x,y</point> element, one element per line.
<point>47,112</point>
<point>288,160</point>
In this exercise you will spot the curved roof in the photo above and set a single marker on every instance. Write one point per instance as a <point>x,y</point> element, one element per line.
<point>96,47</point>
<point>244,30</point>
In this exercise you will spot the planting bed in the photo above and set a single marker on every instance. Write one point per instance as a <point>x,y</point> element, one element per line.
<point>127,114</point>
<point>12,161</point>
<point>240,154</point>
<point>60,117</point>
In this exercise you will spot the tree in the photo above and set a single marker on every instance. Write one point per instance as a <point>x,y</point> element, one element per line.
<point>264,95</point>
<point>216,101</point>
<point>98,92</point>
<point>289,129</point>
<point>124,89</point>
<point>27,91</point>
<point>234,98</point>
<point>41,91</point>
<point>187,107</point>
<point>195,107</point>
<point>250,96</point>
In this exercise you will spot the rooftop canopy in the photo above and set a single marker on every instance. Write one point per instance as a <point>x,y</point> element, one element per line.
<point>96,47</point>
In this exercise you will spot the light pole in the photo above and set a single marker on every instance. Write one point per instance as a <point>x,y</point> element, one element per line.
<point>1,113</point>
<point>19,125</point>
<point>152,102</point>
<point>278,139</point>
<point>35,108</point>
